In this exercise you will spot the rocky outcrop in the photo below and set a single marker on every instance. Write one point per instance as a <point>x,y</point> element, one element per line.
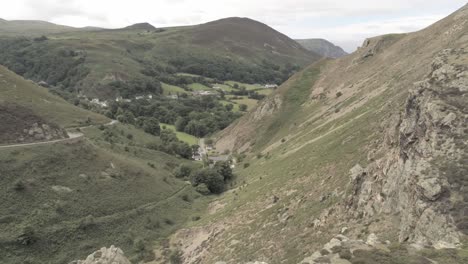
<point>341,249</point>
<point>112,255</point>
<point>22,125</point>
<point>422,177</point>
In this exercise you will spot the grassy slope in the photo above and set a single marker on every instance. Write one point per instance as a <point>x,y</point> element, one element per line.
<point>304,151</point>
<point>15,89</point>
<point>73,197</point>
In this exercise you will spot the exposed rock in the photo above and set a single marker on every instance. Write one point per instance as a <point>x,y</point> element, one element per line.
<point>411,179</point>
<point>112,255</point>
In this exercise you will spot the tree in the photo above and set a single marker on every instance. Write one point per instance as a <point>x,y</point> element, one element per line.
<point>224,169</point>
<point>168,136</point>
<point>229,107</point>
<point>243,107</point>
<point>183,171</point>
<point>213,180</point>
<point>151,125</point>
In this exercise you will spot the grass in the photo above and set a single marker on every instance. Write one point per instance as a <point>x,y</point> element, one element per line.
<point>246,85</point>
<point>15,89</point>
<point>251,103</point>
<point>199,87</point>
<point>191,140</point>
<point>172,89</point>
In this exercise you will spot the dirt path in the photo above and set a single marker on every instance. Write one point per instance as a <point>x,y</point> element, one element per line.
<point>71,136</point>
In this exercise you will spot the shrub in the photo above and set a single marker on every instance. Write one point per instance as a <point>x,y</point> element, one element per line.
<point>203,189</point>
<point>176,257</point>
<point>19,185</point>
<point>246,165</point>
<point>338,94</point>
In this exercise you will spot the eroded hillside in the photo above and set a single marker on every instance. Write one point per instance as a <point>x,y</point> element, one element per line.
<point>372,144</point>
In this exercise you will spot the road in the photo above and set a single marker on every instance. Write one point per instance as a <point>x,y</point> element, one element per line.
<point>71,136</point>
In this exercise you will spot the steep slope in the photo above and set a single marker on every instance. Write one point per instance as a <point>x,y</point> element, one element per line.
<point>62,200</point>
<point>17,90</point>
<point>30,113</point>
<point>35,28</point>
<point>109,63</point>
<point>322,47</point>
<point>371,143</point>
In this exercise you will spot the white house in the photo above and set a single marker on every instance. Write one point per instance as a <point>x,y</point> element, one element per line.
<point>271,86</point>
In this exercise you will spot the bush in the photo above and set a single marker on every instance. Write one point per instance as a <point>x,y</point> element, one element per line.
<point>243,107</point>
<point>183,171</point>
<point>246,165</point>
<point>338,94</point>
<point>176,257</point>
<point>202,189</point>
<point>19,185</point>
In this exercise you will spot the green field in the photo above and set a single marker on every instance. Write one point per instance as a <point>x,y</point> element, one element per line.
<point>246,85</point>
<point>191,140</point>
<point>199,87</point>
<point>172,89</point>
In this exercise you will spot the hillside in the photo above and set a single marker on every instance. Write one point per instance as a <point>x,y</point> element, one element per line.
<point>322,47</point>
<point>64,197</point>
<point>30,113</point>
<point>134,60</point>
<point>34,28</point>
<point>371,146</point>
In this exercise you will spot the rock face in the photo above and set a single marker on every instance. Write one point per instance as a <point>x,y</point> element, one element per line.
<point>422,174</point>
<point>112,255</point>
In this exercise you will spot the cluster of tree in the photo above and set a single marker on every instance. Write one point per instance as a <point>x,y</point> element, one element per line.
<point>172,145</point>
<point>141,85</point>
<point>198,116</point>
<point>35,59</point>
<point>207,180</point>
<point>223,69</point>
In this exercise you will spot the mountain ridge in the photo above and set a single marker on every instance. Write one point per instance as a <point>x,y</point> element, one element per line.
<point>322,47</point>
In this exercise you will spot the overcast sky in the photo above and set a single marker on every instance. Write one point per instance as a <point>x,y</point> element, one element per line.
<point>344,22</point>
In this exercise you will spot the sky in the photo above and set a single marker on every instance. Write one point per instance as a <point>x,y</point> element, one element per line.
<point>344,22</point>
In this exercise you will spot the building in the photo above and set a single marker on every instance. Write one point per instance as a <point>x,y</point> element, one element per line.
<point>271,86</point>
<point>100,103</point>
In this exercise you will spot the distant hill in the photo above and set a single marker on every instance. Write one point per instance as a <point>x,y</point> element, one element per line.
<point>141,26</point>
<point>35,28</point>
<point>322,47</point>
<point>109,63</point>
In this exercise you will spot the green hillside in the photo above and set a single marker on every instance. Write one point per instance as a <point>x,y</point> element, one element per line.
<point>17,90</point>
<point>61,200</point>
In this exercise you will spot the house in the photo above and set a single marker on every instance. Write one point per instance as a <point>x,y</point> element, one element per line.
<point>96,101</point>
<point>271,86</point>
<point>120,99</point>
<point>203,93</point>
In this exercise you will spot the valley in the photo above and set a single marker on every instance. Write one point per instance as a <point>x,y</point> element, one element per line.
<point>230,142</point>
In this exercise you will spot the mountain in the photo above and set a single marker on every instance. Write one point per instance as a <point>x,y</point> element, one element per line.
<point>322,47</point>
<point>109,63</point>
<point>35,28</point>
<point>361,159</point>
<point>73,181</point>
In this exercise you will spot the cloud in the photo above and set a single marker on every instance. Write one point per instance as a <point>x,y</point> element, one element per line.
<point>344,21</point>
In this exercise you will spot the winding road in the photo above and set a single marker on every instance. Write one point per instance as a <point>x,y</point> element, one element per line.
<point>71,136</point>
